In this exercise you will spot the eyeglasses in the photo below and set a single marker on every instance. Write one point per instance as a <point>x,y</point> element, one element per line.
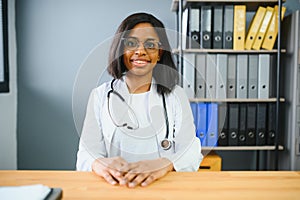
<point>132,44</point>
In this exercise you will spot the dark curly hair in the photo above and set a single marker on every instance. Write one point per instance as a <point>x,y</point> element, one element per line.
<point>165,72</point>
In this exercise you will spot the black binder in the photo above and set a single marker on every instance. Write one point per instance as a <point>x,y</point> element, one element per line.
<point>206,26</point>
<point>233,110</point>
<point>242,124</point>
<point>223,125</point>
<point>228,27</point>
<point>217,27</point>
<point>251,124</point>
<point>261,124</point>
<point>271,134</point>
<point>194,27</point>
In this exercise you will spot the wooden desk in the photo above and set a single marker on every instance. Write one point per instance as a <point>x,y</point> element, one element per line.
<point>176,185</point>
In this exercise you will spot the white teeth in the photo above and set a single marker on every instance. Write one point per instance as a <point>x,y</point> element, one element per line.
<point>140,61</point>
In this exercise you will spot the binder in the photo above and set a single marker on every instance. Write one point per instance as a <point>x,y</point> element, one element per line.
<point>239,27</point>
<point>200,75</point>
<point>210,76</point>
<point>221,76</point>
<point>242,76</point>
<point>251,124</point>
<point>231,76</point>
<point>271,133</point>
<point>185,32</point>
<point>212,124</point>
<point>194,28</point>
<point>206,26</point>
<point>233,110</point>
<point>242,124</point>
<point>263,76</point>
<point>194,112</point>
<point>202,123</point>
<point>261,124</point>
<point>217,26</point>
<point>272,31</point>
<point>252,76</point>
<point>273,77</point>
<point>263,29</point>
<point>189,75</point>
<point>254,27</point>
<point>228,27</point>
<point>223,125</point>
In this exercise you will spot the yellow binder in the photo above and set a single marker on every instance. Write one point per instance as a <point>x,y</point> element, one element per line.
<point>263,29</point>
<point>239,27</point>
<point>254,26</point>
<point>272,31</point>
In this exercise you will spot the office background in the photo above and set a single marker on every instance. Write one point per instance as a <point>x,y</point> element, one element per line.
<point>48,42</point>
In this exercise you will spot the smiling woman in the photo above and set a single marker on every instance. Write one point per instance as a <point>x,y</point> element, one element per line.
<point>139,126</point>
<point>4,84</point>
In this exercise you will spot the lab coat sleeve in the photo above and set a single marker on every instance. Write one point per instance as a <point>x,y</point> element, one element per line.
<point>92,143</point>
<point>188,147</point>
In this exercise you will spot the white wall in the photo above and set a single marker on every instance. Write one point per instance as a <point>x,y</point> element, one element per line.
<point>8,102</point>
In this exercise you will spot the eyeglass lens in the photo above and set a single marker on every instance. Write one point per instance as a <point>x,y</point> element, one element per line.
<point>133,43</point>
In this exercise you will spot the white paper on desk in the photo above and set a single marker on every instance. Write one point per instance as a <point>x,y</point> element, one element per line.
<point>26,192</point>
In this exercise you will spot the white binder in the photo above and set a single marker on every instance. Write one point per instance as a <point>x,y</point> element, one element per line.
<point>231,76</point>
<point>211,66</point>
<point>200,75</point>
<point>188,80</point>
<point>252,76</point>
<point>263,76</point>
<point>221,76</point>
<point>242,76</point>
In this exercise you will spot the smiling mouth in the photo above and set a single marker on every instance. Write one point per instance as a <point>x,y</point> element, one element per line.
<point>140,63</point>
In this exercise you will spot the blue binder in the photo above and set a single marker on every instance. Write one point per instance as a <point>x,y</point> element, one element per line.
<point>202,123</point>
<point>212,124</point>
<point>194,111</point>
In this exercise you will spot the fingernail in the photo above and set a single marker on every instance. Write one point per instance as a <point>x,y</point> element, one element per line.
<point>123,182</point>
<point>143,184</point>
<point>131,185</point>
<point>113,182</point>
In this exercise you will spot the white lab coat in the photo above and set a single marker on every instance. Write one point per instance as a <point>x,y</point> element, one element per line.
<point>98,128</point>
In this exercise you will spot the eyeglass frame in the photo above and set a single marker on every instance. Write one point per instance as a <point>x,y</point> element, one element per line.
<point>138,44</point>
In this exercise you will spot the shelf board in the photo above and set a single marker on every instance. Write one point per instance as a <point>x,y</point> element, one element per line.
<point>175,3</point>
<point>236,100</point>
<point>241,148</point>
<point>229,51</point>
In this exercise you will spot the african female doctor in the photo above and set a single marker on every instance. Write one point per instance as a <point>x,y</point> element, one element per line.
<point>139,126</point>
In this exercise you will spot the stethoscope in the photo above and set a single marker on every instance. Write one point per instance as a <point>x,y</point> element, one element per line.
<point>166,143</point>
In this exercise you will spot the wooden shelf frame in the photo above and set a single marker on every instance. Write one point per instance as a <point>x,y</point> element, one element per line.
<point>251,3</point>
<point>242,148</point>
<point>231,51</point>
<point>237,100</point>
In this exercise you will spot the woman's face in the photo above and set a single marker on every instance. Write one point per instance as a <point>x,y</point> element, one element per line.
<point>141,50</point>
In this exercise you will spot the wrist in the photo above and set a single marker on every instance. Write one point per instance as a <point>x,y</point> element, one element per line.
<point>169,164</point>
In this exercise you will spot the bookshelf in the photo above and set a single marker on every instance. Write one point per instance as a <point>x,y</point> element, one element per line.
<point>178,6</point>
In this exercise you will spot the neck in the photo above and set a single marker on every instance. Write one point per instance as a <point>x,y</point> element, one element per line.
<point>138,84</point>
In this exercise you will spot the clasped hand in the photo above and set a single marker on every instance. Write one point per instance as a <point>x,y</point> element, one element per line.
<point>118,171</point>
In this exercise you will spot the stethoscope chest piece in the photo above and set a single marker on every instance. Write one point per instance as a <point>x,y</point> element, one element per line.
<point>166,144</point>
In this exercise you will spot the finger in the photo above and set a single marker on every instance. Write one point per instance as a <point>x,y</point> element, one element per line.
<point>129,177</point>
<point>109,178</point>
<point>115,174</point>
<point>152,177</point>
<point>138,180</point>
